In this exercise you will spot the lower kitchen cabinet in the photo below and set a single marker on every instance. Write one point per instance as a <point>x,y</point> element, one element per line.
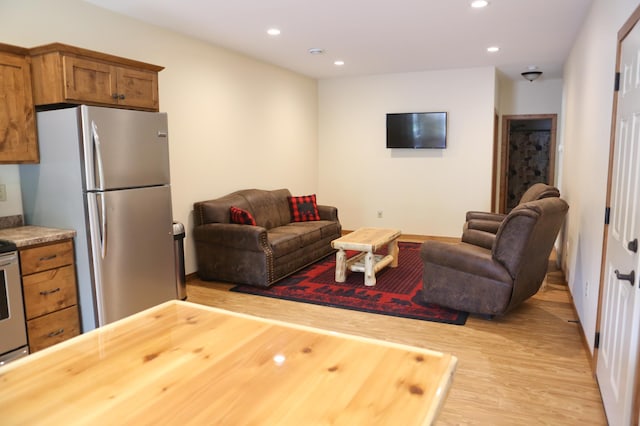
<point>50,293</point>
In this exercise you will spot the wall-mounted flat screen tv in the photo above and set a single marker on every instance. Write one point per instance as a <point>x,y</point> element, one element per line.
<point>417,130</point>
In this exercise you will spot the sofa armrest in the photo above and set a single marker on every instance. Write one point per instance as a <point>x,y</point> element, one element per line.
<point>328,213</point>
<point>244,237</point>
<point>498,217</point>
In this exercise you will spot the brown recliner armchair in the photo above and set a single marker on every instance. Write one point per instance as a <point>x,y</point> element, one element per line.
<point>480,228</point>
<point>493,281</point>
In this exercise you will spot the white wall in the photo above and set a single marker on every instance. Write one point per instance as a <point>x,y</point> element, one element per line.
<point>588,97</point>
<point>234,122</point>
<point>542,96</point>
<point>11,179</point>
<point>423,192</point>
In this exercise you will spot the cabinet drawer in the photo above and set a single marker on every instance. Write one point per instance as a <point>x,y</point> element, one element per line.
<point>49,291</point>
<point>53,328</point>
<point>37,259</point>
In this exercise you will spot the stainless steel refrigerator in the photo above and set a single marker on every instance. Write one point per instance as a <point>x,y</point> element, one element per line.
<point>104,172</point>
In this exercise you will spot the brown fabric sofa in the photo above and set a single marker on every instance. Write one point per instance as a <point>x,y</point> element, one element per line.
<point>480,228</point>
<point>263,254</point>
<point>493,281</point>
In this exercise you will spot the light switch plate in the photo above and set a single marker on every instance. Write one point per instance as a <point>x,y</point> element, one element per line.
<point>3,192</point>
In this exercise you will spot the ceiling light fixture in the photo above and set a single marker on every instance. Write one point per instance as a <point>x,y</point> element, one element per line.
<point>531,75</point>
<point>338,63</point>
<point>477,4</point>
<point>493,49</point>
<point>273,31</point>
<point>316,51</point>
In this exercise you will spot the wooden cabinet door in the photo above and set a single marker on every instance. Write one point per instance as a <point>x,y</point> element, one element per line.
<point>18,140</point>
<point>53,328</point>
<point>137,88</point>
<point>45,257</point>
<point>89,81</point>
<point>49,291</point>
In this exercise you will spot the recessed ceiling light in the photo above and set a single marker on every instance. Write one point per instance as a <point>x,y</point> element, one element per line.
<point>316,51</point>
<point>273,31</point>
<point>479,4</point>
<point>493,49</point>
<point>338,63</point>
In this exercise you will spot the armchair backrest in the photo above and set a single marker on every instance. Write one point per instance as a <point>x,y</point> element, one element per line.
<point>524,242</point>
<point>538,191</point>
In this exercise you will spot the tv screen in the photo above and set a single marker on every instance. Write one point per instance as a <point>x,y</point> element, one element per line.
<point>417,130</point>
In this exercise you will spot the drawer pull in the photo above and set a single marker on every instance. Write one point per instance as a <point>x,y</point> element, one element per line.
<point>56,333</point>
<point>53,256</point>
<point>47,292</point>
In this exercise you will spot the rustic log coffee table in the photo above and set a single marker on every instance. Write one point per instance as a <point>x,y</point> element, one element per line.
<point>367,241</point>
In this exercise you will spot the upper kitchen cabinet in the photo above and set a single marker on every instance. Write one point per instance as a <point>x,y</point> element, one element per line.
<point>68,74</point>
<point>18,141</point>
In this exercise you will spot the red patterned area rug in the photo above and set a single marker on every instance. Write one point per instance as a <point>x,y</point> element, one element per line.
<point>398,291</point>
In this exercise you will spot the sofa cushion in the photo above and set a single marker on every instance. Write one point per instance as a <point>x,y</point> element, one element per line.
<point>241,216</point>
<point>296,235</point>
<point>269,208</point>
<point>303,208</point>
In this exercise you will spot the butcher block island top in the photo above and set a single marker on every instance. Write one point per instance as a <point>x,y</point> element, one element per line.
<point>183,363</point>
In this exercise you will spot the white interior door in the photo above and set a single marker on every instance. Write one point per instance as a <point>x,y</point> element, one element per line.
<point>619,318</point>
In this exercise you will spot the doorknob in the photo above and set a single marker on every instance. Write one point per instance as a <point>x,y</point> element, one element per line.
<point>631,277</point>
<point>633,245</point>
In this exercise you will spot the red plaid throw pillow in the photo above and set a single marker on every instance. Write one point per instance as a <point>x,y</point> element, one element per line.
<point>241,216</point>
<point>304,208</point>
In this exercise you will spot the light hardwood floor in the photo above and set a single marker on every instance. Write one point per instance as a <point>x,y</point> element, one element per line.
<point>529,367</point>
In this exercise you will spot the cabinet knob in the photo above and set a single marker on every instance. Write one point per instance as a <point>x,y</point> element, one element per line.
<point>121,97</point>
<point>114,96</point>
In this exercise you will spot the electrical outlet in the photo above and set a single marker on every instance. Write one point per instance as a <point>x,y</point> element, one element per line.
<point>586,289</point>
<point>3,192</point>
<point>379,214</point>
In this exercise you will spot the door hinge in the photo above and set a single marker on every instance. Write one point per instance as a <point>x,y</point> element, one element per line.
<point>596,343</point>
<point>617,82</point>
<point>607,214</point>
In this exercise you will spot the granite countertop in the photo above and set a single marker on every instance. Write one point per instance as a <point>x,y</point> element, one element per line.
<point>29,235</point>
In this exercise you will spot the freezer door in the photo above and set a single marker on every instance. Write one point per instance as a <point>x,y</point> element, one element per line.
<point>124,148</point>
<point>132,250</point>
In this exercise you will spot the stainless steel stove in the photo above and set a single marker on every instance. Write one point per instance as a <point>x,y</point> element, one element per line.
<point>13,333</point>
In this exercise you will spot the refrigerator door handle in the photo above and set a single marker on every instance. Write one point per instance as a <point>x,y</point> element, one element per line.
<point>98,155</point>
<point>103,225</point>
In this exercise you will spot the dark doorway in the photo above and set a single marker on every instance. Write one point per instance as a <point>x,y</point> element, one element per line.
<point>528,153</point>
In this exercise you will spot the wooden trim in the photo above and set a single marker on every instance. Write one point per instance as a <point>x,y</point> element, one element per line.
<point>504,161</point>
<point>494,161</point>
<point>73,50</point>
<point>16,50</point>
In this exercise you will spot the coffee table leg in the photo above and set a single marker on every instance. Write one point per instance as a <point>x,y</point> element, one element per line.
<point>392,250</point>
<point>369,273</point>
<point>341,266</point>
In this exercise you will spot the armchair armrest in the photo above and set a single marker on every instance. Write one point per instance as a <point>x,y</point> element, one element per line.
<point>328,213</point>
<point>464,258</point>
<point>498,217</point>
<point>479,238</point>
<point>244,237</point>
<point>484,225</point>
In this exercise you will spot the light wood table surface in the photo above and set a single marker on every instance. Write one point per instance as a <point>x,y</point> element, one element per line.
<point>182,363</point>
<point>367,241</point>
